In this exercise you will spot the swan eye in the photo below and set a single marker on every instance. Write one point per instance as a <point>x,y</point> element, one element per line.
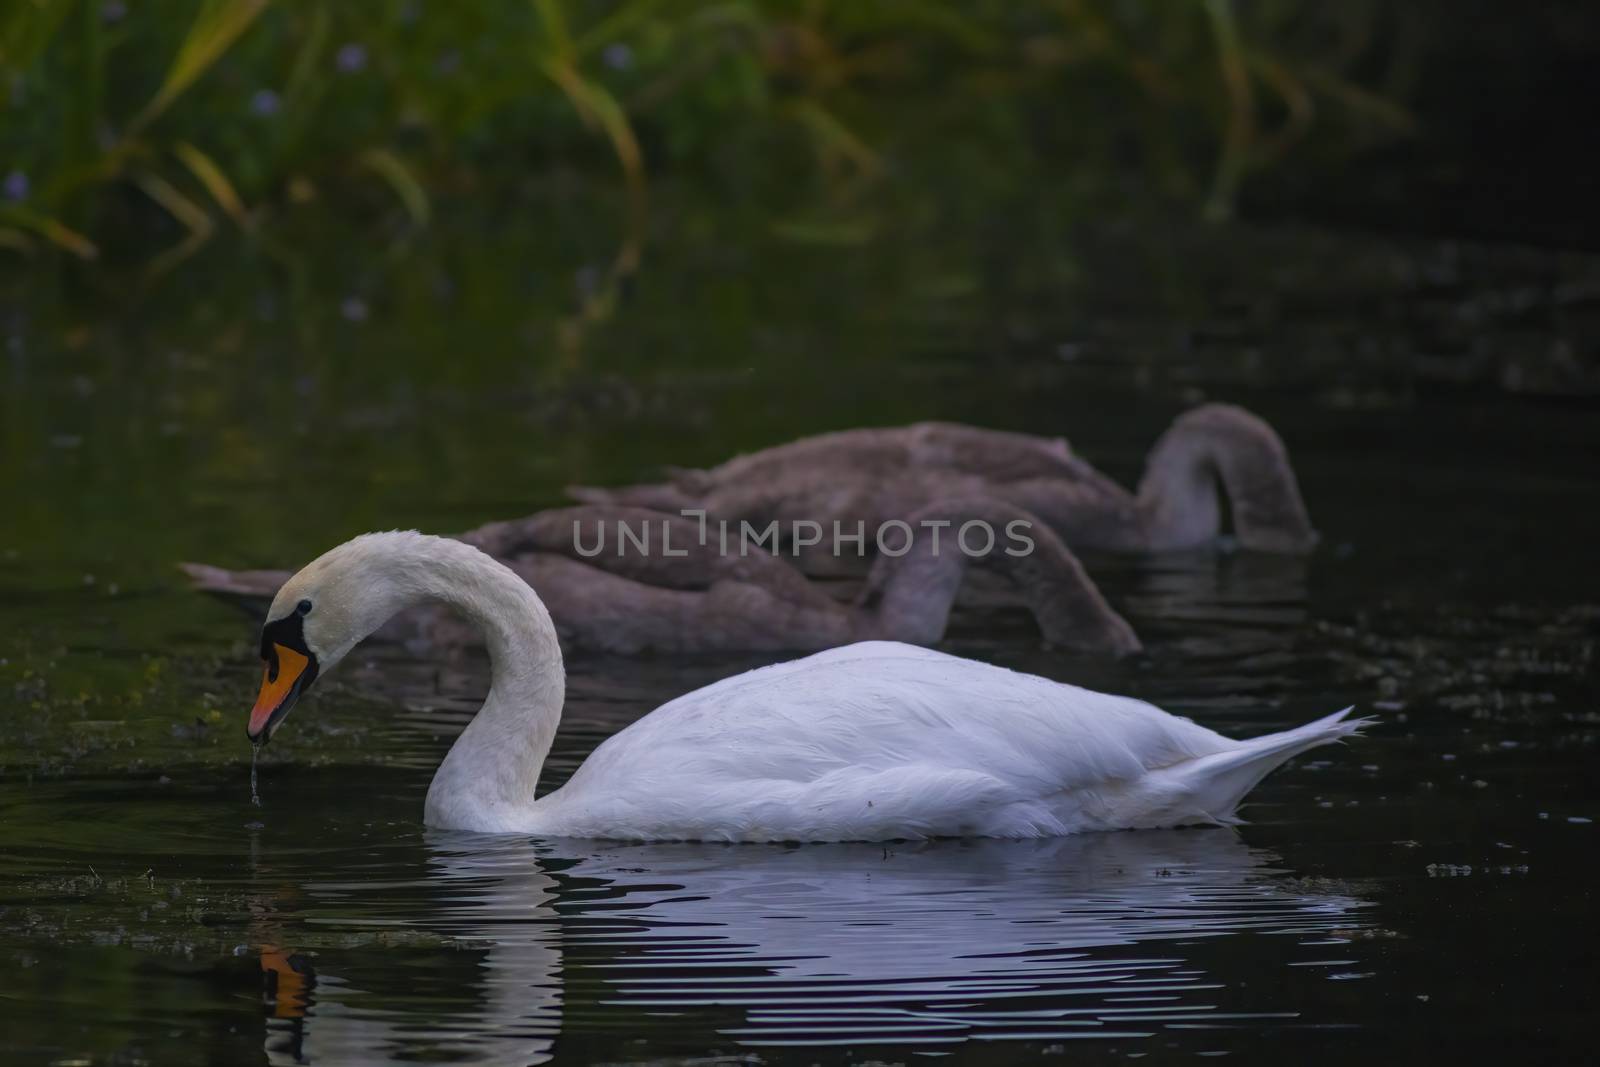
<point>303,608</point>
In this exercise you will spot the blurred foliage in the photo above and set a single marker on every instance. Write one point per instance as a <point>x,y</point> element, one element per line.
<point>140,132</point>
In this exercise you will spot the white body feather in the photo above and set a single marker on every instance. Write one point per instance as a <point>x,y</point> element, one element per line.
<point>879,740</point>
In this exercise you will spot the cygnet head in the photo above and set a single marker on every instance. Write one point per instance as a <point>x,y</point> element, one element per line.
<point>323,612</point>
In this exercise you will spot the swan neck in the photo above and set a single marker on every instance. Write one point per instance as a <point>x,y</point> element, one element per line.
<point>1067,605</point>
<point>916,591</point>
<point>1178,495</point>
<point>488,779</point>
<point>1220,448</point>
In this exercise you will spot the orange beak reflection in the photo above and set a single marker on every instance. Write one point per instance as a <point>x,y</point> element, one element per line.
<point>281,684</point>
<point>289,979</point>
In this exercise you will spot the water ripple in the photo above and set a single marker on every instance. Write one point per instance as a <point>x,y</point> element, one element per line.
<point>1108,936</point>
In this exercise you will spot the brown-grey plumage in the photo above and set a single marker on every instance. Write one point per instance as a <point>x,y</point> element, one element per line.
<point>874,475</point>
<point>623,600</point>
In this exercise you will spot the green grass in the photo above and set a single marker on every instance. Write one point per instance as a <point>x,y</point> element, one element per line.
<point>136,133</point>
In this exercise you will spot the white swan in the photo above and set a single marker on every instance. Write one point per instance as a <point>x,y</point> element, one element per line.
<point>873,741</point>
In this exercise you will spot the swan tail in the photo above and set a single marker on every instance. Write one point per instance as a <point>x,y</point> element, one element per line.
<point>251,591</point>
<point>1210,788</point>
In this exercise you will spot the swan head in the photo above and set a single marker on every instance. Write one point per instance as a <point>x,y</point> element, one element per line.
<point>323,612</point>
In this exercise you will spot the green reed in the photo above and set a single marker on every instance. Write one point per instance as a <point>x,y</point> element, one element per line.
<point>142,130</point>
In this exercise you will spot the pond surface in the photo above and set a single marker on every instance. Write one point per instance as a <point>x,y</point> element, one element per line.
<point>1427,890</point>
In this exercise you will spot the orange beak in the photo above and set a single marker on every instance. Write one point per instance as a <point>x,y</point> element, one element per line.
<point>282,681</point>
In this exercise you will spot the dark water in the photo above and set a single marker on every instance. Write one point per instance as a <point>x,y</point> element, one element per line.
<point>1424,891</point>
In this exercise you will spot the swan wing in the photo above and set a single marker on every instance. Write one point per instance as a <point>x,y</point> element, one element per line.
<point>873,741</point>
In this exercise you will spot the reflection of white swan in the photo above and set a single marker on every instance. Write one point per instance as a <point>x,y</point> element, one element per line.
<point>1099,936</point>
<point>484,897</point>
<point>940,941</point>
